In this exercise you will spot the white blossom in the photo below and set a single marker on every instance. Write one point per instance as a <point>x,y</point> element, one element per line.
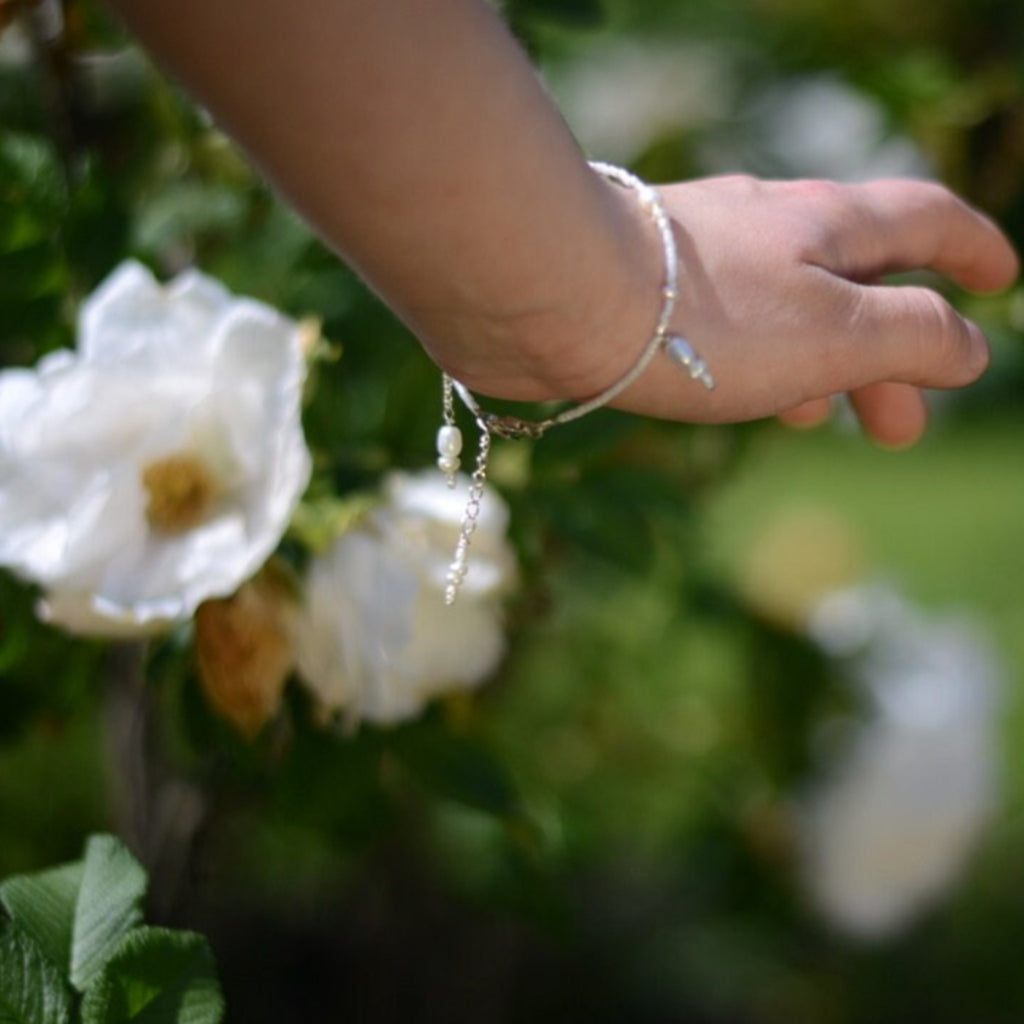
<point>15,47</point>
<point>159,464</point>
<point>621,97</point>
<point>889,830</point>
<point>816,126</point>
<point>376,640</point>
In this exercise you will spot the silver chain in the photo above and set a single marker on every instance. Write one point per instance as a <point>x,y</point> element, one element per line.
<point>470,518</point>
<point>448,400</point>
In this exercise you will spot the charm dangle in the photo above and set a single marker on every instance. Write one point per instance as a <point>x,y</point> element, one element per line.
<point>684,355</point>
<point>449,448</point>
<point>449,445</point>
<point>449,437</point>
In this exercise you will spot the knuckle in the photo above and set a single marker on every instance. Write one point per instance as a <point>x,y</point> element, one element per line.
<point>938,325</point>
<point>744,184</point>
<point>933,192</point>
<point>819,190</point>
<point>912,191</point>
<point>823,217</point>
<point>943,338</point>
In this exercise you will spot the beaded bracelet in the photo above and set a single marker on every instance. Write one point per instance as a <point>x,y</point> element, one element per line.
<point>677,348</point>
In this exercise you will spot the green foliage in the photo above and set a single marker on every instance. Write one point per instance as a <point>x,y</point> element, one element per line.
<point>29,652</point>
<point>156,976</point>
<point>108,905</point>
<point>529,18</point>
<point>32,990</point>
<point>44,906</point>
<point>73,948</point>
<point>458,768</point>
<point>582,13</point>
<point>637,752</point>
<point>34,274</point>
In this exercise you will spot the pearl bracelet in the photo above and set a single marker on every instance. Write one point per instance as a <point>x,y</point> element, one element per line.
<point>677,348</point>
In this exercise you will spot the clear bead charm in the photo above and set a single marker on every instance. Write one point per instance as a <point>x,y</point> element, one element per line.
<point>683,354</point>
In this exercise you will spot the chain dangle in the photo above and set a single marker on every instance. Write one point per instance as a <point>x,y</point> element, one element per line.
<point>470,517</point>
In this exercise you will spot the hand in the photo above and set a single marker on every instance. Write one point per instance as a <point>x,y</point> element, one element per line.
<point>470,210</point>
<point>780,293</point>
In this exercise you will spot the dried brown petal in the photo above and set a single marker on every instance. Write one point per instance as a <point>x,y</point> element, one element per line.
<point>245,651</point>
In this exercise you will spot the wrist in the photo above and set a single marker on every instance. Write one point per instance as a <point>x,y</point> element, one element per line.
<point>570,320</point>
<point>490,424</point>
<point>661,340</point>
<point>620,299</point>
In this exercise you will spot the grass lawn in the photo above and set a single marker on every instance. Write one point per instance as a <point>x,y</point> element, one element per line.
<point>944,521</point>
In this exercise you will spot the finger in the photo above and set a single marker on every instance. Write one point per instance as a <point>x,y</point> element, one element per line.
<point>907,334</point>
<point>909,225</point>
<point>808,414</point>
<point>894,414</point>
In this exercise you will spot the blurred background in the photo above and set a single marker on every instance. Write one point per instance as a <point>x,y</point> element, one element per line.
<point>753,755</point>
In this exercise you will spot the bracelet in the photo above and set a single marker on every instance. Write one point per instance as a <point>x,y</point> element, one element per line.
<point>677,348</point>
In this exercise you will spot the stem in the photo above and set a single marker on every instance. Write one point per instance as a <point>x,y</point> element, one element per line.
<point>159,814</point>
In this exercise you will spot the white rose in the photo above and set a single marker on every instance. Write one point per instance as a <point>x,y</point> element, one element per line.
<point>376,639</point>
<point>887,833</point>
<point>159,464</point>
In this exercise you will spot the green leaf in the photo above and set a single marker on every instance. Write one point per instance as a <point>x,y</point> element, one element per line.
<point>78,914</point>
<point>43,905</point>
<point>181,212</point>
<point>30,271</point>
<point>32,990</point>
<point>617,531</point>
<point>19,228</point>
<point>109,906</point>
<point>583,442</point>
<point>156,976</point>
<point>461,769</point>
<point>577,13</point>
<point>317,523</point>
<point>32,174</point>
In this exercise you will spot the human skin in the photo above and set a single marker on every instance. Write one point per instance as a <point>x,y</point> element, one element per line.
<point>417,140</point>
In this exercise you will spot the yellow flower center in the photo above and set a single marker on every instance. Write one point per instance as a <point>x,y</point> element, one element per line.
<point>181,493</point>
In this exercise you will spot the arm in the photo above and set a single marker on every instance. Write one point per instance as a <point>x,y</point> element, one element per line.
<point>417,140</point>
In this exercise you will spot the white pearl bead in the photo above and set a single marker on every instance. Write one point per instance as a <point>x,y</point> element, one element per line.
<point>448,464</point>
<point>449,441</point>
